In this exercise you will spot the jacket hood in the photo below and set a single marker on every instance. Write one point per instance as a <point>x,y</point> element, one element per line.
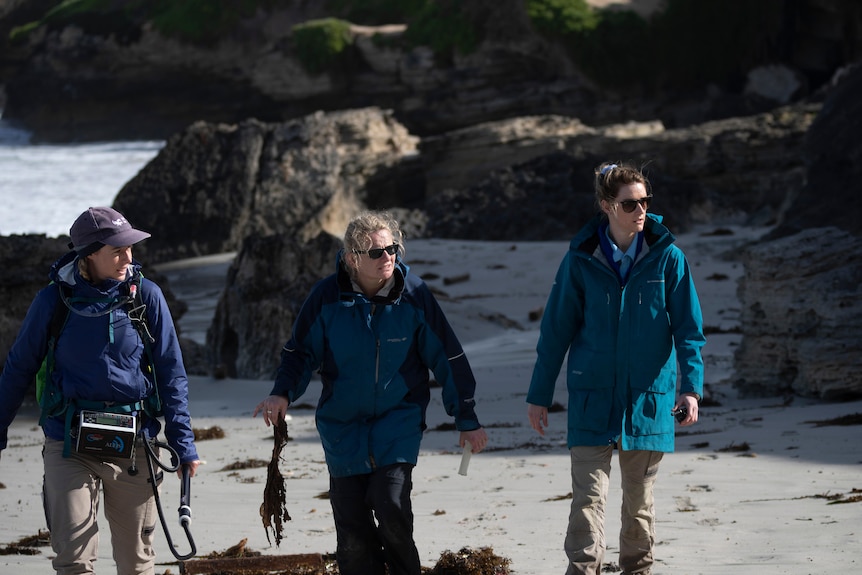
<point>65,271</point>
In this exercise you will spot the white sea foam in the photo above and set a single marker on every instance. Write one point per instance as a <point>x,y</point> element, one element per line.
<point>45,187</point>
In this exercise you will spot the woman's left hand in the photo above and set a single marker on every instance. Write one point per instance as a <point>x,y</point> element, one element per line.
<point>690,403</point>
<point>478,439</point>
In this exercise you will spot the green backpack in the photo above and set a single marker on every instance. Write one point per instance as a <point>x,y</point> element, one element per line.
<point>50,396</point>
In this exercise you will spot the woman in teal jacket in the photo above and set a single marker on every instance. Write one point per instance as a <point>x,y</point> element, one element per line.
<point>624,308</point>
<point>373,331</point>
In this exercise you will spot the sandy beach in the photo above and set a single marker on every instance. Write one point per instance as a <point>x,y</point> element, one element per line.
<point>756,487</point>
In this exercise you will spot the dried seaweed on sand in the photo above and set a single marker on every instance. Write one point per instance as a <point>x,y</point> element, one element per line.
<point>273,510</point>
<point>469,561</point>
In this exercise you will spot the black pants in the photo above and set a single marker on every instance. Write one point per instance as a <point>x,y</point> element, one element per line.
<point>365,547</point>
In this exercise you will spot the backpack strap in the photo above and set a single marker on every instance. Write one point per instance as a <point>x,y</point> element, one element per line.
<point>138,316</point>
<point>48,395</point>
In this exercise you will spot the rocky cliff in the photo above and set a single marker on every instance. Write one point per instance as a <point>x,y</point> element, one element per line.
<point>801,316</point>
<point>801,291</point>
<point>487,146</point>
<point>112,74</point>
<point>267,189</point>
<point>266,285</point>
<point>216,184</point>
<point>24,270</point>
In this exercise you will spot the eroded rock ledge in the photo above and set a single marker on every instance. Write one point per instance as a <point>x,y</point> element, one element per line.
<point>802,316</point>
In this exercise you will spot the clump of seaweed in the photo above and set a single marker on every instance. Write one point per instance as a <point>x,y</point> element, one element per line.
<point>469,561</point>
<point>214,432</point>
<point>238,560</point>
<point>273,510</point>
<point>735,448</point>
<point>27,545</point>
<point>247,464</point>
<point>849,419</point>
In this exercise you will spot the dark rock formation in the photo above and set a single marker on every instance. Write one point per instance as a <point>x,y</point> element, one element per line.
<point>802,316</point>
<point>24,264</point>
<point>758,157</point>
<point>274,186</point>
<point>833,157</point>
<point>800,294</point>
<point>740,169</point>
<point>553,196</point>
<point>265,288</point>
<point>114,77</point>
<point>505,155</point>
<point>71,83</point>
<point>213,185</point>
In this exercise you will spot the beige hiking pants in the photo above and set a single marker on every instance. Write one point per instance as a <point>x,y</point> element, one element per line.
<point>71,500</point>
<point>585,536</point>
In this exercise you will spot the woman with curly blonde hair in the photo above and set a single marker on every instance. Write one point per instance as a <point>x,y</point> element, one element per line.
<point>373,331</point>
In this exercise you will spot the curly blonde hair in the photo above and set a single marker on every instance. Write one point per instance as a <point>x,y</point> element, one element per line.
<point>357,236</point>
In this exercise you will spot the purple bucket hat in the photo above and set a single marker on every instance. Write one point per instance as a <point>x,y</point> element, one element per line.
<point>103,226</point>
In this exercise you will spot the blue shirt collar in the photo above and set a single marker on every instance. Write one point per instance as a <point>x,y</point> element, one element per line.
<point>618,254</point>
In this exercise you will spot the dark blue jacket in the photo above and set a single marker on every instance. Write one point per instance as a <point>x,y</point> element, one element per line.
<point>98,355</point>
<point>624,342</point>
<point>373,356</point>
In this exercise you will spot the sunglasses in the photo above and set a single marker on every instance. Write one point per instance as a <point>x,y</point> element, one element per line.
<point>630,205</point>
<point>377,253</point>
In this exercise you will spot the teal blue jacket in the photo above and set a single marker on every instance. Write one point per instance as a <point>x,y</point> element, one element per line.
<point>624,342</point>
<point>374,356</point>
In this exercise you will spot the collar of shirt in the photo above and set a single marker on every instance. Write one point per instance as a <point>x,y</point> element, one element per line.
<point>618,254</point>
<point>384,289</point>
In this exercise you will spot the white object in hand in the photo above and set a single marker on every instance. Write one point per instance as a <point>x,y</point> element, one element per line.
<point>465,458</point>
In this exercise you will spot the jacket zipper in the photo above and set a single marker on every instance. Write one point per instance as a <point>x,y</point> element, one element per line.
<point>376,379</point>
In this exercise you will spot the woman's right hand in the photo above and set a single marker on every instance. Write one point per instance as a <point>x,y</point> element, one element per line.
<point>538,416</point>
<point>273,408</point>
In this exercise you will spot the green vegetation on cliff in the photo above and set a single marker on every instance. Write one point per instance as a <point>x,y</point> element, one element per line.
<point>689,43</point>
<point>444,27</point>
<point>195,21</point>
<point>321,44</point>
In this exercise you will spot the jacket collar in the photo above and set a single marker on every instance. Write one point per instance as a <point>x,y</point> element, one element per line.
<point>345,286</point>
<point>586,241</point>
<point>65,271</point>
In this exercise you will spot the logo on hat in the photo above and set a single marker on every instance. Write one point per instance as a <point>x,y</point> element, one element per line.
<point>102,225</point>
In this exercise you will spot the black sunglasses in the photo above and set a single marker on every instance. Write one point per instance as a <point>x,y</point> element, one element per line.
<point>377,253</point>
<point>630,205</point>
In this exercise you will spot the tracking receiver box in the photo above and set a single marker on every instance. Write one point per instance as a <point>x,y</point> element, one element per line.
<point>106,434</point>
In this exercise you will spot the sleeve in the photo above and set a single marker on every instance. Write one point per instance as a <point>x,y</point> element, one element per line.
<point>442,353</point>
<point>686,323</point>
<point>170,371</point>
<point>561,320</point>
<point>303,352</point>
<point>25,357</point>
